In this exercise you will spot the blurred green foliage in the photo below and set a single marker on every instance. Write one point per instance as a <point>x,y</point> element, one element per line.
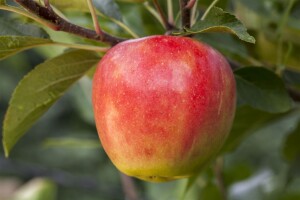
<point>260,161</point>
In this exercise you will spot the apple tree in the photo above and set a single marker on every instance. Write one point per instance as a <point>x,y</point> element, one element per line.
<point>202,95</point>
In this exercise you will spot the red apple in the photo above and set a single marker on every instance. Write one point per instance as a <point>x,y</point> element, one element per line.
<point>163,105</point>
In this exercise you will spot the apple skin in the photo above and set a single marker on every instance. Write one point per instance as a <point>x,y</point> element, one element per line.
<point>163,106</point>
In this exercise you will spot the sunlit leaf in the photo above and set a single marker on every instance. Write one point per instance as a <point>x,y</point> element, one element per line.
<point>220,21</point>
<point>40,89</point>
<point>16,36</point>
<point>10,45</point>
<point>262,89</point>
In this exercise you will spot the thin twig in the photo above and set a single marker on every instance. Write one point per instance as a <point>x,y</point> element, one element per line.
<point>60,24</point>
<point>218,170</point>
<point>166,23</point>
<point>129,187</point>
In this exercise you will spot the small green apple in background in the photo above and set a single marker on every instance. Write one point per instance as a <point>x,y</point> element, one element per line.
<point>163,105</point>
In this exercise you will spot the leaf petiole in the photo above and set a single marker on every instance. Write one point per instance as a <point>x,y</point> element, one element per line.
<point>94,17</point>
<point>208,9</point>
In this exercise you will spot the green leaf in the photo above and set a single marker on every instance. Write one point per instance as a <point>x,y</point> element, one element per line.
<point>228,45</point>
<point>2,2</point>
<point>10,27</point>
<point>10,45</point>
<point>262,89</point>
<point>247,121</point>
<point>237,172</point>
<point>108,8</point>
<point>220,21</point>
<point>291,148</point>
<point>40,89</point>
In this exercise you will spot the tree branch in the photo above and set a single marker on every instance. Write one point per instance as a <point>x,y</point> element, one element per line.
<point>61,24</point>
<point>295,95</point>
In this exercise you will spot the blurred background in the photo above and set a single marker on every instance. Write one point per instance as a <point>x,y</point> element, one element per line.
<point>61,157</point>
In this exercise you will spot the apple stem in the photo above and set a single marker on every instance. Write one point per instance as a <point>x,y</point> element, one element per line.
<point>218,170</point>
<point>167,24</point>
<point>60,24</point>
<point>185,13</point>
<point>129,187</point>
